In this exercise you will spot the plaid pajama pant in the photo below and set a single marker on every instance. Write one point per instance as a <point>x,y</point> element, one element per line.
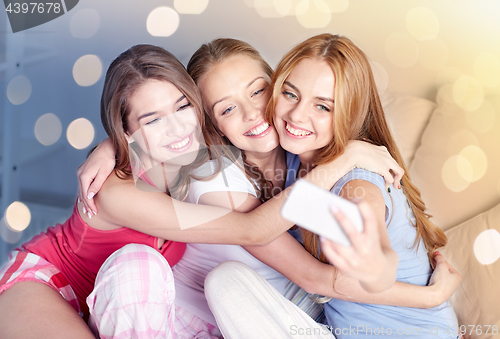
<point>133,296</point>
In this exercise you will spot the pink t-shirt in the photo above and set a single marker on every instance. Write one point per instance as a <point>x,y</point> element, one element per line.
<point>79,250</point>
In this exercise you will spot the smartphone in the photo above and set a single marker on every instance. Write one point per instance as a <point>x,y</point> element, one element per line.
<point>308,206</point>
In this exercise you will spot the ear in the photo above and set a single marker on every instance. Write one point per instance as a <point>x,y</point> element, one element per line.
<point>130,139</point>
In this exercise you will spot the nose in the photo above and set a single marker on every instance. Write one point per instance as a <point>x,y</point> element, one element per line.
<point>251,112</point>
<point>175,125</point>
<point>299,113</point>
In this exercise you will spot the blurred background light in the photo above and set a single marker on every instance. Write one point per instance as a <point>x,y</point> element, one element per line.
<point>487,247</point>
<point>448,75</point>
<point>190,6</point>
<point>433,54</point>
<point>401,49</point>
<point>8,235</point>
<point>17,216</point>
<point>48,129</point>
<point>422,23</point>
<point>453,172</point>
<point>482,119</point>
<point>380,75</point>
<point>468,93</point>
<point>19,90</point>
<point>273,8</point>
<point>80,133</point>
<point>162,21</point>
<point>487,69</point>
<point>461,139</point>
<point>337,6</point>
<point>85,23</point>
<point>477,160</point>
<point>313,13</point>
<point>87,70</point>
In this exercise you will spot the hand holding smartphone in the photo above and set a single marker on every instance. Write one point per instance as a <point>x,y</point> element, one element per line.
<point>308,206</point>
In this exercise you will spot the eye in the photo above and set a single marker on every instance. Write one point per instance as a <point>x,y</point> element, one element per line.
<point>183,107</point>
<point>323,108</point>
<point>290,95</point>
<point>227,110</point>
<point>152,122</point>
<point>258,92</point>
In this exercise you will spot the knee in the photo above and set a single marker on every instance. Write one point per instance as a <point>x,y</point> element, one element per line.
<point>225,275</point>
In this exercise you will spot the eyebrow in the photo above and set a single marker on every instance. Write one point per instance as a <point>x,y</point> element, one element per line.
<point>227,96</point>
<point>145,115</point>
<point>296,89</point>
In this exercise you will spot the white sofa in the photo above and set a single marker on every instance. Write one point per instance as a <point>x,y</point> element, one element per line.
<point>453,156</point>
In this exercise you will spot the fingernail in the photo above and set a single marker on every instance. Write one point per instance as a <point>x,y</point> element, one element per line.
<point>78,199</point>
<point>84,210</point>
<point>90,215</point>
<point>437,252</point>
<point>91,195</point>
<point>389,189</point>
<point>334,208</point>
<point>355,200</point>
<point>95,213</point>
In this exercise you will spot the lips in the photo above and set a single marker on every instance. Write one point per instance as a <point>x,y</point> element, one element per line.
<point>296,132</point>
<point>258,131</point>
<point>180,145</point>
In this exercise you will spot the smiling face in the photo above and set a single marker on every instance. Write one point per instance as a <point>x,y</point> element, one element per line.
<point>237,91</point>
<point>304,109</point>
<point>163,124</point>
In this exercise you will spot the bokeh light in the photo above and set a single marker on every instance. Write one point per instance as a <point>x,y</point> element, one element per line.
<point>190,6</point>
<point>273,9</point>
<point>48,129</point>
<point>87,70</point>
<point>85,23</point>
<point>468,93</point>
<point>313,13</point>
<point>381,76</point>
<point>7,234</point>
<point>448,75</point>
<point>487,69</point>
<point>80,133</point>
<point>477,159</point>
<point>461,139</point>
<point>17,216</point>
<point>453,172</point>
<point>445,94</point>
<point>19,90</point>
<point>433,54</point>
<point>337,6</point>
<point>422,23</point>
<point>162,21</point>
<point>482,119</point>
<point>487,247</point>
<point>401,49</point>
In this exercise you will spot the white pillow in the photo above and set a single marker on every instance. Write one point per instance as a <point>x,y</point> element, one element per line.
<point>457,166</point>
<point>407,117</point>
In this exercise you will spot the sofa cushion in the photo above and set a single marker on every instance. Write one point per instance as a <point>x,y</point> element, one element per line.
<point>407,117</point>
<point>473,249</point>
<point>457,165</point>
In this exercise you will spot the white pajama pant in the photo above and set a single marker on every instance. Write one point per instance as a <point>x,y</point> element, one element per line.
<point>245,305</point>
<point>134,298</point>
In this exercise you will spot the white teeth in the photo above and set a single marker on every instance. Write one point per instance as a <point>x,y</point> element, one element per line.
<point>179,144</point>
<point>297,132</point>
<point>257,130</point>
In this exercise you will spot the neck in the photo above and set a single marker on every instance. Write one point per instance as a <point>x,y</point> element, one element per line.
<point>272,164</point>
<point>306,163</point>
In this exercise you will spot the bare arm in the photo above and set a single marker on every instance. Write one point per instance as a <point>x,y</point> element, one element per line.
<point>287,256</point>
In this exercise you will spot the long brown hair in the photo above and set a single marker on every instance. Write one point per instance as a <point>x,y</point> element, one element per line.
<point>358,115</point>
<point>203,60</point>
<point>125,74</point>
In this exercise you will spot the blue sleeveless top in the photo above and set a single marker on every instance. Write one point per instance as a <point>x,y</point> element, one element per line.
<point>355,320</point>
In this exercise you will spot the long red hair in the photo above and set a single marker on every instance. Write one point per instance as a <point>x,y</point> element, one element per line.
<point>358,115</point>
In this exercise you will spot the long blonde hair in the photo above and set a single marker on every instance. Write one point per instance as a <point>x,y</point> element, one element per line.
<point>203,60</point>
<point>358,115</point>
